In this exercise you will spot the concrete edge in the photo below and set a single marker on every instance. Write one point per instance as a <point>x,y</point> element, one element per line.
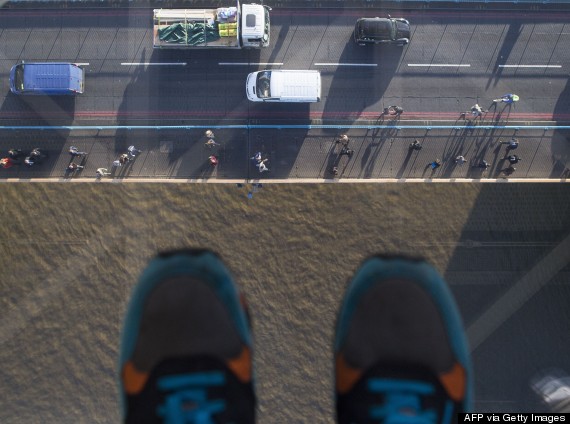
<point>284,181</point>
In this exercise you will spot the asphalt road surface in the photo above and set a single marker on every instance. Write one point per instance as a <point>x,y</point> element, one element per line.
<point>455,59</point>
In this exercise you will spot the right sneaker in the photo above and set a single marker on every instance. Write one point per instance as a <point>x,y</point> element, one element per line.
<point>401,355</point>
<point>186,345</point>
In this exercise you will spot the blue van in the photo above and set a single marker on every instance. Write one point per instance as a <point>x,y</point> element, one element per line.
<point>50,79</point>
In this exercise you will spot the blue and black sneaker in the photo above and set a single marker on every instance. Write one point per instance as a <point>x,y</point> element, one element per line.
<point>186,345</point>
<point>401,354</point>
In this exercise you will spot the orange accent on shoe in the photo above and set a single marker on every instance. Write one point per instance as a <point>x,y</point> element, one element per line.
<point>133,379</point>
<point>241,365</point>
<point>346,376</point>
<point>454,382</point>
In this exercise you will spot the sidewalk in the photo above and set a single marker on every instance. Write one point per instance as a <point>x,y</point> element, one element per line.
<point>302,154</point>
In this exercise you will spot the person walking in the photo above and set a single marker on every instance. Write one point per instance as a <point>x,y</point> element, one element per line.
<point>512,144</point>
<point>15,154</point>
<point>346,151</point>
<point>262,167</point>
<point>476,111</point>
<point>513,159</point>
<point>460,160</point>
<point>394,110</point>
<point>435,164</point>
<point>6,162</point>
<point>509,98</point>
<point>124,159</point>
<point>211,143</point>
<point>74,151</point>
<point>343,139</point>
<point>132,151</point>
<point>483,164</point>
<point>72,167</point>
<point>213,161</point>
<point>101,172</point>
<point>415,145</point>
<point>209,134</point>
<point>256,158</point>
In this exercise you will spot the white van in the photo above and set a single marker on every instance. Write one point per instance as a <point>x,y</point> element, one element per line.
<point>284,86</point>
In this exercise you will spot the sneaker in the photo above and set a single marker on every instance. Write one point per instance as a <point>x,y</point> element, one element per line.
<point>401,354</point>
<point>186,344</point>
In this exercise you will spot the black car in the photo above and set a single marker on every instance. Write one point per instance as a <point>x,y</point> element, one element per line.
<point>382,30</point>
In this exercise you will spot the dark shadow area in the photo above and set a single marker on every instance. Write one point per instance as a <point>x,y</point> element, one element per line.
<point>41,111</point>
<point>511,229</point>
<point>353,89</point>
<point>509,41</point>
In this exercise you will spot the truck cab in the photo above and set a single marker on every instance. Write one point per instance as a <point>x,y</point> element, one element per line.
<point>254,25</point>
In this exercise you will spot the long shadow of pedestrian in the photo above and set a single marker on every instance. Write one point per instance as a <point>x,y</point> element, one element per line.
<point>405,163</point>
<point>373,149</point>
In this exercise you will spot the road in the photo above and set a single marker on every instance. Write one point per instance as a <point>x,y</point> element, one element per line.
<point>454,60</point>
<point>441,73</point>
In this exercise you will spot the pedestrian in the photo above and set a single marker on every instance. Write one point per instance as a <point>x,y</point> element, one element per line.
<point>101,172</point>
<point>6,162</point>
<point>508,171</point>
<point>34,157</point>
<point>334,170</point>
<point>117,163</point>
<point>415,145</point>
<point>507,98</point>
<point>476,111</point>
<point>343,139</point>
<point>124,158</point>
<point>512,144</point>
<point>395,110</point>
<point>262,167</point>
<point>15,154</point>
<point>460,160</point>
<point>256,158</point>
<point>72,167</point>
<point>213,160</point>
<point>513,159</point>
<point>483,164</point>
<point>211,143</point>
<point>209,134</point>
<point>346,151</point>
<point>74,151</point>
<point>435,164</point>
<point>133,151</point>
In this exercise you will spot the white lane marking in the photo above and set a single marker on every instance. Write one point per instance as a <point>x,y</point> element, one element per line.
<point>346,64</point>
<point>250,63</point>
<point>153,63</point>
<point>530,66</point>
<point>442,65</point>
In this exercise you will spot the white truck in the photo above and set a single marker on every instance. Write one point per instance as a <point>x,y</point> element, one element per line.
<point>232,27</point>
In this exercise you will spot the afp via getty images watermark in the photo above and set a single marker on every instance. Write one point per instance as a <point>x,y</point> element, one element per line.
<point>514,418</point>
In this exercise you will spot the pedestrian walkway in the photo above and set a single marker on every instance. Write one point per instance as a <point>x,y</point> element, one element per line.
<point>299,153</point>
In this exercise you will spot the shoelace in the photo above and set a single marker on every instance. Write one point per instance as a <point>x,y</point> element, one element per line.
<point>186,401</point>
<point>403,402</point>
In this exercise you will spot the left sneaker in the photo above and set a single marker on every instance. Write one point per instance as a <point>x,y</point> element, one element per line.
<point>186,345</point>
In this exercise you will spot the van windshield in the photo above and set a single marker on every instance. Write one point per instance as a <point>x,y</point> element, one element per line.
<point>19,78</point>
<point>264,85</point>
